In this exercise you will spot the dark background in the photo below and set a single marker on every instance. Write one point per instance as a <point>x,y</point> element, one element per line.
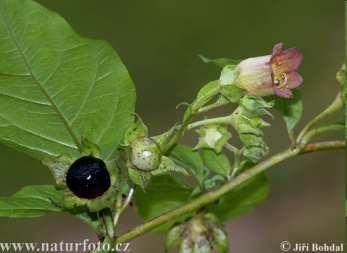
<point>159,42</point>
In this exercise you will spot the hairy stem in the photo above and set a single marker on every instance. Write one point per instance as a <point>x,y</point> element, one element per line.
<point>220,102</point>
<point>204,122</point>
<point>331,109</point>
<point>321,130</point>
<point>212,196</point>
<point>191,111</point>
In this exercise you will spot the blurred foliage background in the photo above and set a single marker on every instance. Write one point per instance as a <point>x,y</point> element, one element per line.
<point>159,42</point>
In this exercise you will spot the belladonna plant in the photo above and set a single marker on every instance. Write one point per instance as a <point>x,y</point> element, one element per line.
<point>69,102</point>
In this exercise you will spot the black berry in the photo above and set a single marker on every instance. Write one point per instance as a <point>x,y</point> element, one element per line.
<point>88,177</point>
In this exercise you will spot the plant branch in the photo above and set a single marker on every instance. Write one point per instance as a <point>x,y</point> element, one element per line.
<point>191,111</point>
<point>219,120</point>
<point>331,109</point>
<point>220,102</point>
<point>321,130</point>
<point>212,196</point>
<point>120,206</point>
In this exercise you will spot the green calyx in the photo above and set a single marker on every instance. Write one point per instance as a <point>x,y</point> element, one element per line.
<point>202,233</point>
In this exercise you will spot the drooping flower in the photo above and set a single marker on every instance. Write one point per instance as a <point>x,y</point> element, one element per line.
<point>271,74</point>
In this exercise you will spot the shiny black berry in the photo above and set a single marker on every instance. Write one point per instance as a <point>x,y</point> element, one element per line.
<point>88,177</point>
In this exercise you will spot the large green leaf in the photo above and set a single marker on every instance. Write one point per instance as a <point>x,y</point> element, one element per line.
<point>162,194</point>
<point>56,87</point>
<point>243,199</point>
<point>31,201</point>
<point>220,62</point>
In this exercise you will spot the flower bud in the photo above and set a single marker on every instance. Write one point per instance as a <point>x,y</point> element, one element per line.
<point>202,233</point>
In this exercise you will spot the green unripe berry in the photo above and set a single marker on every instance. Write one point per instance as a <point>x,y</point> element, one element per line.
<point>145,154</point>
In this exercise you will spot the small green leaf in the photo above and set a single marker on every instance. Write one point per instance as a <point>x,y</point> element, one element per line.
<point>247,121</point>
<point>291,109</point>
<point>213,137</point>
<point>228,75</point>
<point>220,62</point>
<point>232,93</point>
<point>218,163</point>
<point>190,160</point>
<point>257,106</point>
<point>162,194</point>
<point>205,94</point>
<point>138,177</point>
<point>137,130</point>
<point>243,199</point>
<point>57,87</point>
<point>167,166</point>
<point>31,201</point>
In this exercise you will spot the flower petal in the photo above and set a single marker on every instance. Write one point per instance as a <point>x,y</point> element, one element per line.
<point>283,92</point>
<point>277,49</point>
<point>288,60</point>
<point>294,80</point>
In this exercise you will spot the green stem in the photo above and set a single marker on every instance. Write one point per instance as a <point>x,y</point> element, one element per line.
<point>320,130</point>
<point>108,221</point>
<point>217,121</point>
<point>212,196</point>
<point>220,102</point>
<point>332,108</point>
<point>121,206</point>
<point>117,214</point>
<point>191,111</point>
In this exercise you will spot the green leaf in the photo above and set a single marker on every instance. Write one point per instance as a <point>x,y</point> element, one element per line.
<point>136,130</point>
<point>167,166</point>
<point>220,62</point>
<point>228,75</point>
<point>242,199</point>
<point>56,87</point>
<point>218,163</point>
<point>205,94</point>
<point>232,93</point>
<point>190,160</point>
<point>31,201</point>
<point>162,194</point>
<point>256,106</point>
<point>251,136</point>
<point>291,109</point>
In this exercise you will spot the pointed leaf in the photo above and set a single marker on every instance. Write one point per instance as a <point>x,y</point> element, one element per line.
<point>31,201</point>
<point>56,87</point>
